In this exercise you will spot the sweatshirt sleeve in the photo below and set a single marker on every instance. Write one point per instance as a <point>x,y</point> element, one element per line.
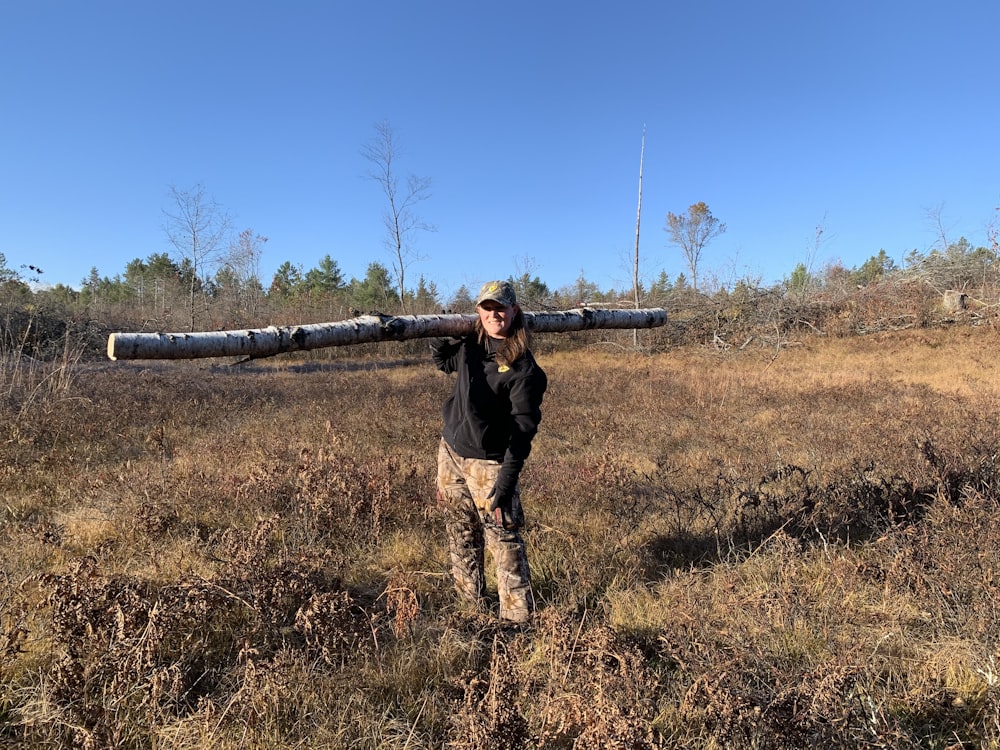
<point>444,352</point>
<point>526,414</point>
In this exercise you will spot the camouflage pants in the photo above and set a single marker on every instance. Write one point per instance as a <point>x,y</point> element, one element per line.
<point>463,486</point>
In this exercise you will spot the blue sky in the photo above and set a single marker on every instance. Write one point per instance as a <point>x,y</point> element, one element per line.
<point>862,117</point>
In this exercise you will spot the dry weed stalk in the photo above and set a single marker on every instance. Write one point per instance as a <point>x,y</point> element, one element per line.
<point>402,602</point>
<point>490,716</point>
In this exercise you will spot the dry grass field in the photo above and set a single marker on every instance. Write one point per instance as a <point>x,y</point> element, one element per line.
<point>769,549</point>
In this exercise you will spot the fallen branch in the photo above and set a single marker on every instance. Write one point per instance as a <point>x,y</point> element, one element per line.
<point>266,342</point>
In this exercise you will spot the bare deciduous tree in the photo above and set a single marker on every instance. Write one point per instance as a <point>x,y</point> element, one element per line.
<point>243,263</point>
<point>401,219</point>
<point>808,280</point>
<point>692,232</point>
<point>993,233</point>
<point>936,222</point>
<point>198,228</point>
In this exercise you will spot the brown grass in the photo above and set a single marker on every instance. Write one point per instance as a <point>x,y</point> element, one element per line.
<point>765,549</point>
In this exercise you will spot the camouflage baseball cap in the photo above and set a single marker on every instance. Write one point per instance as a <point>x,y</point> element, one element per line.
<point>498,291</point>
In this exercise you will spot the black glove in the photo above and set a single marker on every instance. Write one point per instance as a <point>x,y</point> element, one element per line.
<point>502,496</point>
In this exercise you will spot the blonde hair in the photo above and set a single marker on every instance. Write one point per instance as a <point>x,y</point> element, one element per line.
<point>516,343</point>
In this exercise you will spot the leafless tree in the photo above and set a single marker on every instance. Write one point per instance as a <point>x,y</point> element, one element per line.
<point>692,232</point>
<point>401,219</point>
<point>993,233</point>
<point>242,261</point>
<point>810,280</point>
<point>198,228</point>
<point>936,222</point>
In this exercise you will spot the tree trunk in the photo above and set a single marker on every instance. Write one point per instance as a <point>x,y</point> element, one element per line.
<point>266,342</point>
<point>638,216</point>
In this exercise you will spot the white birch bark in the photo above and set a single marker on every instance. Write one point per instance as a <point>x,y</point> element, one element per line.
<point>266,342</point>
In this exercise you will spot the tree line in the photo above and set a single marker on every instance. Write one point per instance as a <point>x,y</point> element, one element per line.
<point>162,292</point>
<point>212,280</point>
<point>213,283</point>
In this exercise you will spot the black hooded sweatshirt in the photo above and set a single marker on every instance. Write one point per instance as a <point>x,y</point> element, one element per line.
<point>493,413</point>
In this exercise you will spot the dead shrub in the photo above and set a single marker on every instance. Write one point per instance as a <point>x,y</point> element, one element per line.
<point>335,627</point>
<point>131,654</point>
<point>155,520</point>
<point>338,493</point>
<point>616,687</point>
<point>489,716</point>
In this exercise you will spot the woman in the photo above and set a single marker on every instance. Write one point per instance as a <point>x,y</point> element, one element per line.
<point>489,422</point>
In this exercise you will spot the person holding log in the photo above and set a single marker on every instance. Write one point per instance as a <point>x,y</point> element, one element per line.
<point>490,419</point>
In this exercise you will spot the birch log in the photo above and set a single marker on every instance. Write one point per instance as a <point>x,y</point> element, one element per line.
<point>266,342</point>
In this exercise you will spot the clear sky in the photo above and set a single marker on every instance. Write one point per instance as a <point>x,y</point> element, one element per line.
<point>861,117</point>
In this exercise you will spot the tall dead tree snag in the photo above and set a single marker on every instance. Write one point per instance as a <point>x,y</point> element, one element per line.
<point>266,342</point>
<point>638,217</point>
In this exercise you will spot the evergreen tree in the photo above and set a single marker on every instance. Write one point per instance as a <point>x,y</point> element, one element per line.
<point>325,279</point>
<point>376,291</point>
<point>583,292</point>
<point>425,299</point>
<point>532,293</point>
<point>800,281</point>
<point>286,282</point>
<point>874,269</point>
<point>660,289</point>
<point>6,274</point>
<point>462,301</point>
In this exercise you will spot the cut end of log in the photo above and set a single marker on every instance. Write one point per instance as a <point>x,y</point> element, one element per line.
<point>111,346</point>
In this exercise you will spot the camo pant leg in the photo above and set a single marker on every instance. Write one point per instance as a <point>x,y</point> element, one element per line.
<point>464,528</point>
<point>513,574</point>
<point>464,485</point>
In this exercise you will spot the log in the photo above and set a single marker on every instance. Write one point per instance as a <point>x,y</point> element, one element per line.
<point>266,342</point>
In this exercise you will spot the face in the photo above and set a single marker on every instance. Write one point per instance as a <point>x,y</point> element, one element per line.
<point>496,318</point>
